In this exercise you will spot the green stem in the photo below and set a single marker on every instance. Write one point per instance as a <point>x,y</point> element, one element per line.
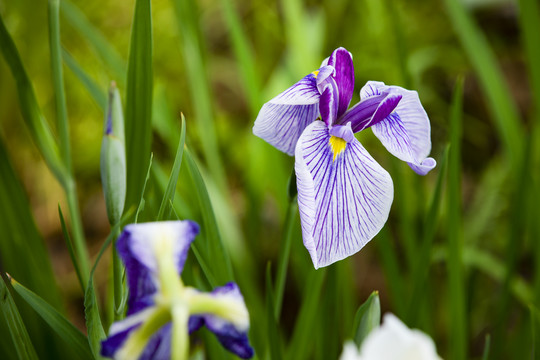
<point>284,255</point>
<point>58,82</point>
<point>117,279</point>
<point>180,337</point>
<point>77,229</point>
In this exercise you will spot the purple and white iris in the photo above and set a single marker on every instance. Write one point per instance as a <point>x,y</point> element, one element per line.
<point>344,195</point>
<point>162,311</point>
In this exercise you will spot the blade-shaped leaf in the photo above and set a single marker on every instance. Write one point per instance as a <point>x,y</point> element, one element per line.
<point>367,318</point>
<point>11,316</point>
<point>73,338</point>
<point>138,114</point>
<point>274,341</point>
<point>214,251</point>
<point>168,197</point>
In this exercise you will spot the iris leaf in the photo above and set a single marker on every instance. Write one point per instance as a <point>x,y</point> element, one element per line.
<point>214,250</point>
<point>11,316</point>
<point>367,318</point>
<point>168,198</point>
<point>456,280</point>
<point>73,338</point>
<point>274,343</point>
<point>138,112</point>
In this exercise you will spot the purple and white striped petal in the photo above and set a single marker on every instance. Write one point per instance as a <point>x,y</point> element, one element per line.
<point>137,246</point>
<point>282,120</point>
<point>405,130</point>
<point>344,195</point>
<point>329,102</point>
<point>233,336</point>
<point>342,61</point>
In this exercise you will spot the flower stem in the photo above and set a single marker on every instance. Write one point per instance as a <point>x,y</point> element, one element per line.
<point>117,279</point>
<point>284,255</point>
<point>180,337</point>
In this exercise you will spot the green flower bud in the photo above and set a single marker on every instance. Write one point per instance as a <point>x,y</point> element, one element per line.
<point>113,158</point>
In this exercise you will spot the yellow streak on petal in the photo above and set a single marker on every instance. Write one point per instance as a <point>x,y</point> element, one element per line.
<point>338,145</point>
<point>316,72</point>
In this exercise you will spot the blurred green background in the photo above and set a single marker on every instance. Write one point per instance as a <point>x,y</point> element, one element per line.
<point>217,62</point>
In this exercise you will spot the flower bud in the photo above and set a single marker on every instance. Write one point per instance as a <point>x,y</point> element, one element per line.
<point>113,158</point>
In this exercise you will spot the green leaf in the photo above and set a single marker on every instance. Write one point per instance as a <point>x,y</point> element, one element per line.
<point>187,18</point>
<point>139,101</point>
<point>24,239</point>
<point>99,96</point>
<point>11,316</point>
<point>31,112</point>
<point>487,344</point>
<point>299,346</point>
<point>58,82</point>
<point>367,318</point>
<point>168,197</point>
<point>73,338</point>
<point>421,270</point>
<point>484,61</point>
<point>69,246</point>
<point>214,251</point>
<point>456,276</point>
<point>274,342</point>
<point>95,38</point>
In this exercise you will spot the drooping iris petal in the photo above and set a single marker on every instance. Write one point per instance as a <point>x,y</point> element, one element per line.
<point>159,345</point>
<point>137,246</point>
<point>282,120</point>
<point>344,195</point>
<point>120,330</point>
<point>405,131</point>
<point>233,336</point>
<point>342,62</point>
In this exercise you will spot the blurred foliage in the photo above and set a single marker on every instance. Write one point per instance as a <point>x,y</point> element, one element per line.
<point>407,43</point>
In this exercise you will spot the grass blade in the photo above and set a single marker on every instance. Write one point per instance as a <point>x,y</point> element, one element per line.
<point>98,95</point>
<point>423,263</point>
<point>17,330</point>
<point>58,82</point>
<point>95,38</point>
<point>300,341</point>
<point>285,249</point>
<point>69,246</point>
<point>168,197</point>
<point>187,20</point>
<point>456,281</point>
<point>274,343</point>
<point>499,97</point>
<point>34,119</point>
<point>139,101</point>
<point>74,339</point>
<point>214,250</point>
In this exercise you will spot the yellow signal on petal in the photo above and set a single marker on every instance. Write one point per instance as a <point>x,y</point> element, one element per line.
<point>338,145</point>
<point>315,73</point>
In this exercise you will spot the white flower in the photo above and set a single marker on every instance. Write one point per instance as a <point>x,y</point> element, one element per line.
<point>393,340</point>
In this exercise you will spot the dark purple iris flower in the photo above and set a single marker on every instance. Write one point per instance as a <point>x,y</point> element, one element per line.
<point>162,311</point>
<point>344,195</point>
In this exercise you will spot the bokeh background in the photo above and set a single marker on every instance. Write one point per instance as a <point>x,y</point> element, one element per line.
<point>217,62</point>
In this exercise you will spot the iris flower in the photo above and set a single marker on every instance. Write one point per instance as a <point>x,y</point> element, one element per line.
<point>161,310</point>
<point>393,340</point>
<point>344,195</point>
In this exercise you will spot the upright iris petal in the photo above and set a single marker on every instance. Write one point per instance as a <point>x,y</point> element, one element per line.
<point>161,310</point>
<point>282,120</point>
